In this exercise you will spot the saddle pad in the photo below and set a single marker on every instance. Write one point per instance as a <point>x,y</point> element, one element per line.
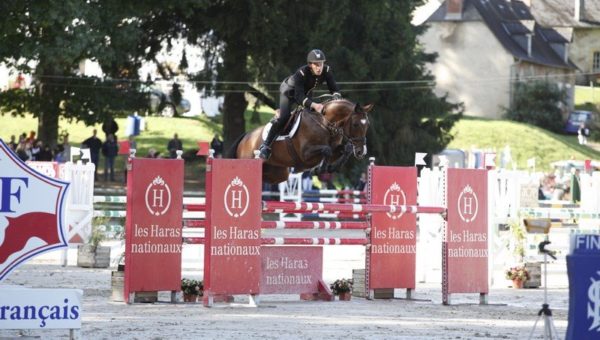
<point>293,131</point>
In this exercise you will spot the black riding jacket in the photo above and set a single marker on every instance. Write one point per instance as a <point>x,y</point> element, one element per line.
<point>301,84</point>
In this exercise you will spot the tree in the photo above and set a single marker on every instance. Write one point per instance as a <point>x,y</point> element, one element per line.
<point>369,42</point>
<point>50,39</point>
<point>538,103</point>
<point>378,46</point>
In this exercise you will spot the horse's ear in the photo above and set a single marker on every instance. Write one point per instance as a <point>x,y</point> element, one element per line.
<point>368,108</point>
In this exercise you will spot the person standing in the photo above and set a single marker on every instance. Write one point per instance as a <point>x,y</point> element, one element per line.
<point>582,134</point>
<point>110,150</point>
<point>217,145</point>
<point>174,145</point>
<point>95,145</point>
<point>110,127</point>
<point>13,143</point>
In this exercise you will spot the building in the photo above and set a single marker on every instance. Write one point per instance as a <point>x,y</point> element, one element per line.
<point>485,47</point>
<point>578,21</point>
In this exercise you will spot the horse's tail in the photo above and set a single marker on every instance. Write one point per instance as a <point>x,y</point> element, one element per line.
<point>232,152</point>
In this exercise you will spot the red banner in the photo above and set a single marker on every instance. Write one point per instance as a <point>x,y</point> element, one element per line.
<point>466,239</point>
<point>393,235</point>
<point>153,236</point>
<point>232,260</point>
<point>291,270</point>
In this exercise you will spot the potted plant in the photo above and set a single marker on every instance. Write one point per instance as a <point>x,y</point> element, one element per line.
<point>91,254</point>
<point>519,275</point>
<point>342,288</point>
<point>191,289</point>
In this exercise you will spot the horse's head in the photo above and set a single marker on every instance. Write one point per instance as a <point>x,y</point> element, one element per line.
<point>354,122</point>
<point>355,129</point>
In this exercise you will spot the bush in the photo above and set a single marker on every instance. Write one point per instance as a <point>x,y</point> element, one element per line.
<point>538,103</point>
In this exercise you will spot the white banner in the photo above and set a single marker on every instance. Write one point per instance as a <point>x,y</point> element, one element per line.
<point>40,308</point>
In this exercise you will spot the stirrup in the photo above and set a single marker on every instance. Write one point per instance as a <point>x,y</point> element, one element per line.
<point>265,152</point>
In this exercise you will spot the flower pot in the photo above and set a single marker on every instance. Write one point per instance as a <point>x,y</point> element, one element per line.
<point>89,256</point>
<point>190,297</point>
<point>345,296</point>
<point>518,284</point>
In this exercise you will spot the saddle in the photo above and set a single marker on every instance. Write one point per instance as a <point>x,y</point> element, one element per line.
<point>290,127</point>
<point>291,122</point>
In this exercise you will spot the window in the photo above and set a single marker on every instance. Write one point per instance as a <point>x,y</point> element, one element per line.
<point>596,62</point>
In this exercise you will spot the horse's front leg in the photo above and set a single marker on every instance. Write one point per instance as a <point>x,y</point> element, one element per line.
<point>344,154</point>
<point>322,152</point>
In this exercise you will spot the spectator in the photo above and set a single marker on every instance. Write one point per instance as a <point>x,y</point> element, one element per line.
<point>66,148</point>
<point>362,182</point>
<point>22,151</point>
<point>307,180</point>
<point>45,154</point>
<point>13,143</point>
<point>174,145</point>
<point>582,134</point>
<point>31,138</point>
<point>35,150</point>
<point>217,145</point>
<point>326,179</point>
<point>110,127</point>
<point>95,145</point>
<point>110,150</point>
<point>132,143</point>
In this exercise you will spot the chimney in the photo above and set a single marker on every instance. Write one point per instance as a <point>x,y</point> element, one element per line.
<point>454,9</point>
<point>579,9</point>
<point>529,44</point>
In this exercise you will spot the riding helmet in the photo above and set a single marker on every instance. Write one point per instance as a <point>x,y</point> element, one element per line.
<point>315,56</point>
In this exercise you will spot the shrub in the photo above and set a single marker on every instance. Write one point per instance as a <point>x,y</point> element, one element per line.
<point>537,103</point>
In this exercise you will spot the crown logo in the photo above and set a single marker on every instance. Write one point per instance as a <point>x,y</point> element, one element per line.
<point>237,182</point>
<point>468,189</point>
<point>158,181</point>
<point>395,187</point>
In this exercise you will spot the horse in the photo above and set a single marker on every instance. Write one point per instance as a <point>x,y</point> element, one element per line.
<point>325,140</point>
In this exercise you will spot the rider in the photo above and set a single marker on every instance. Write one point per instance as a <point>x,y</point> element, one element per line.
<point>297,89</point>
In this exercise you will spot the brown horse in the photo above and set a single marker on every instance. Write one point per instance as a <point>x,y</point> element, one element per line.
<point>326,140</point>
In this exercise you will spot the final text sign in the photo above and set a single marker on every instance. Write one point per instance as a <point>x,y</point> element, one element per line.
<point>466,241</point>
<point>287,270</point>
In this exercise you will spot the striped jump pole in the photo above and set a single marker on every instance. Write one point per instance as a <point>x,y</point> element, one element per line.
<point>333,192</point>
<point>307,241</point>
<point>299,207</point>
<point>313,241</point>
<point>562,213</point>
<point>197,223</point>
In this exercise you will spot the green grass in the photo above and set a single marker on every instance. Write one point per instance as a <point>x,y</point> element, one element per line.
<point>156,135</point>
<point>585,94</point>
<point>525,141</point>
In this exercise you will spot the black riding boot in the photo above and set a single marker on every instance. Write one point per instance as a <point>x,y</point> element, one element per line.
<point>265,148</point>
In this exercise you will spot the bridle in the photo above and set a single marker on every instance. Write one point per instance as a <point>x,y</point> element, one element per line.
<point>339,128</point>
<point>357,143</point>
